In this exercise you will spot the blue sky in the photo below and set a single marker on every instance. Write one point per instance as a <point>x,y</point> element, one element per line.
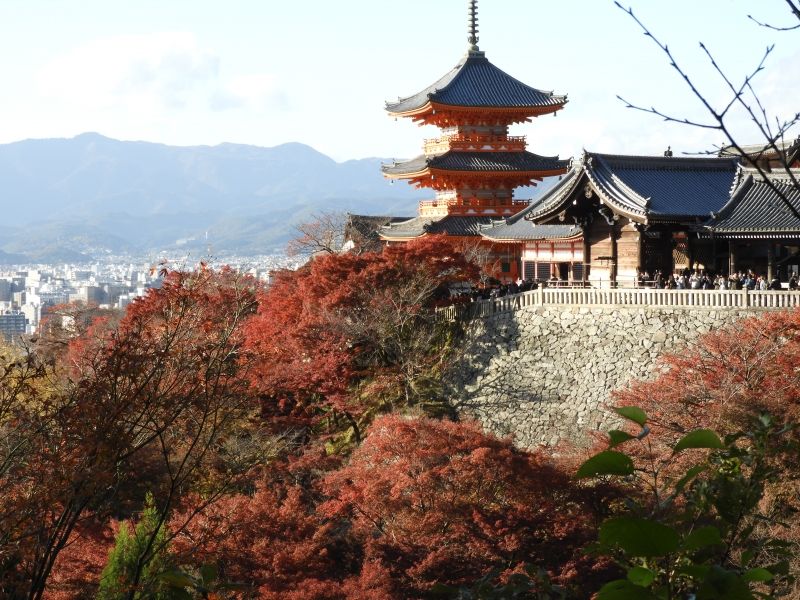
<point>266,72</point>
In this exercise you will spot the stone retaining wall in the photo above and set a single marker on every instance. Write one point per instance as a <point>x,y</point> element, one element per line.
<point>544,374</point>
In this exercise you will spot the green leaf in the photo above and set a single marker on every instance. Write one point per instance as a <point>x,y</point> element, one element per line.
<point>758,574</point>
<point>442,591</point>
<point>609,462</point>
<point>639,537</point>
<point>696,572</point>
<point>622,589</point>
<point>699,438</point>
<point>632,413</point>
<point>721,584</point>
<point>617,437</point>
<point>702,537</point>
<point>209,574</point>
<point>746,557</point>
<point>779,568</point>
<point>690,474</point>
<point>176,579</point>
<point>641,576</point>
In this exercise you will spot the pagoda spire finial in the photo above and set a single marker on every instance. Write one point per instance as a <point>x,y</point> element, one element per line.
<point>473,26</point>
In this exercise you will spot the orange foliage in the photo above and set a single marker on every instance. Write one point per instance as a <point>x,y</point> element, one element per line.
<point>313,332</point>
<point>438,501</point>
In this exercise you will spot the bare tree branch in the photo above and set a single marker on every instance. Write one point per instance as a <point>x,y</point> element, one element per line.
<point>324,233</point>
<point>793,7</point>
<point>744,96</point>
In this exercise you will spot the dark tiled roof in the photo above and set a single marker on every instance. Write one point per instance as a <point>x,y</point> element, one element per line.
<point>654,188</point>
<point>523,230</point>
<point>756,208</point>
<point>405,229</point>
<point>449,225</point>
<point>764,150</point>
<point>479,161</point>
<point>553,197</point>
<point>476,82</point>
<point>364,228</point>
<point>659,186</point>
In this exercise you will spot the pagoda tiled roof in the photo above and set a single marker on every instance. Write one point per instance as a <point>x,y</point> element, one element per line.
<point>456,225</point>
<point>479,161</point>
<point>476,82</point>
<point>756,208</point>
<point>648,188</point>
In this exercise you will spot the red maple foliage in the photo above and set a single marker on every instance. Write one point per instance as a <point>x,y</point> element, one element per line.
<point>346,317</point>
<point>164,384</point>
<point>437,501</point>
<point>729,377</point>
<point>273,542</point>
<point>77,569</point>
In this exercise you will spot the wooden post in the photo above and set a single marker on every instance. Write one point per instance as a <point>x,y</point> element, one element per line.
<point>639,252</point>
<point>714,260</point>
<point>587,249</point>
<point>731,257</point>
<point>614,257</point>
<point>770,261</point>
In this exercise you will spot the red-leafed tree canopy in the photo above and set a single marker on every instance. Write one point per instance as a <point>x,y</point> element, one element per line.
<point>730,377</point>
<point>439,501</point>
<point>346,320</point>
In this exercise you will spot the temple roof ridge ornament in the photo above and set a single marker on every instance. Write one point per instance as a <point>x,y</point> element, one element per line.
<point>473,26</point>
<point>475,83</point>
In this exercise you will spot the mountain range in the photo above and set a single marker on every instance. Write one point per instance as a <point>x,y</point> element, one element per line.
<point>63,199</point>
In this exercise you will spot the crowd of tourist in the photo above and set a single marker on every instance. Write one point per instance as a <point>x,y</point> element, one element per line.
<point>681,280</point>
<point>702,280</point>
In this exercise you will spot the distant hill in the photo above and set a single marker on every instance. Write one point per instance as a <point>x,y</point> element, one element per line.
<point>92,194</point>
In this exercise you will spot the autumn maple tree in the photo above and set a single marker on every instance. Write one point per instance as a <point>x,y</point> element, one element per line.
<point>439,501</point>
<point>348,335</point>
<point>145,403</point>
<point>730,379</point>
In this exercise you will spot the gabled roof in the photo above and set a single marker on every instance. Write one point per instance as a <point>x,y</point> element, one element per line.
<point>366,227</point>
<point>791,150</point>
<point>648,188</point>
<point>525,231</point>
<point>476,82</point>
<point>520,227</point>
<point>755,208</point>
<point>450,225</point>
<point>511,162</point>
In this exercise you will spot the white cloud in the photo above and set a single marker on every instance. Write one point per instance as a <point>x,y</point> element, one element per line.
<point>256,91</point>
<point>151,70</point>
<point>136,84</point>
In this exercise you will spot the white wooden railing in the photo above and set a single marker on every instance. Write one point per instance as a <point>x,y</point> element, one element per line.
<point>627,297</point>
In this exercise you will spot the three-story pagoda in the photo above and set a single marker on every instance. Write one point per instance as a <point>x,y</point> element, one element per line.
<point>474,166</point>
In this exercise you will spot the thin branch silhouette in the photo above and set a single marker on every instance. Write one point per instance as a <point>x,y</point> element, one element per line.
<point>743,96</point>
<point>793,6</point>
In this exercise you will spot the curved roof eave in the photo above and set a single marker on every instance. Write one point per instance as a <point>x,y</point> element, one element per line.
<point>553,199</point>
<point>614,193</point>
<point>476,82</point>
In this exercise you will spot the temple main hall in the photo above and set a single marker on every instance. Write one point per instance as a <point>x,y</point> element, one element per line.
<point>611,218</point>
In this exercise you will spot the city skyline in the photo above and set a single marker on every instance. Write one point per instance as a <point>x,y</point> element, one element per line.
<point>319,73</point>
